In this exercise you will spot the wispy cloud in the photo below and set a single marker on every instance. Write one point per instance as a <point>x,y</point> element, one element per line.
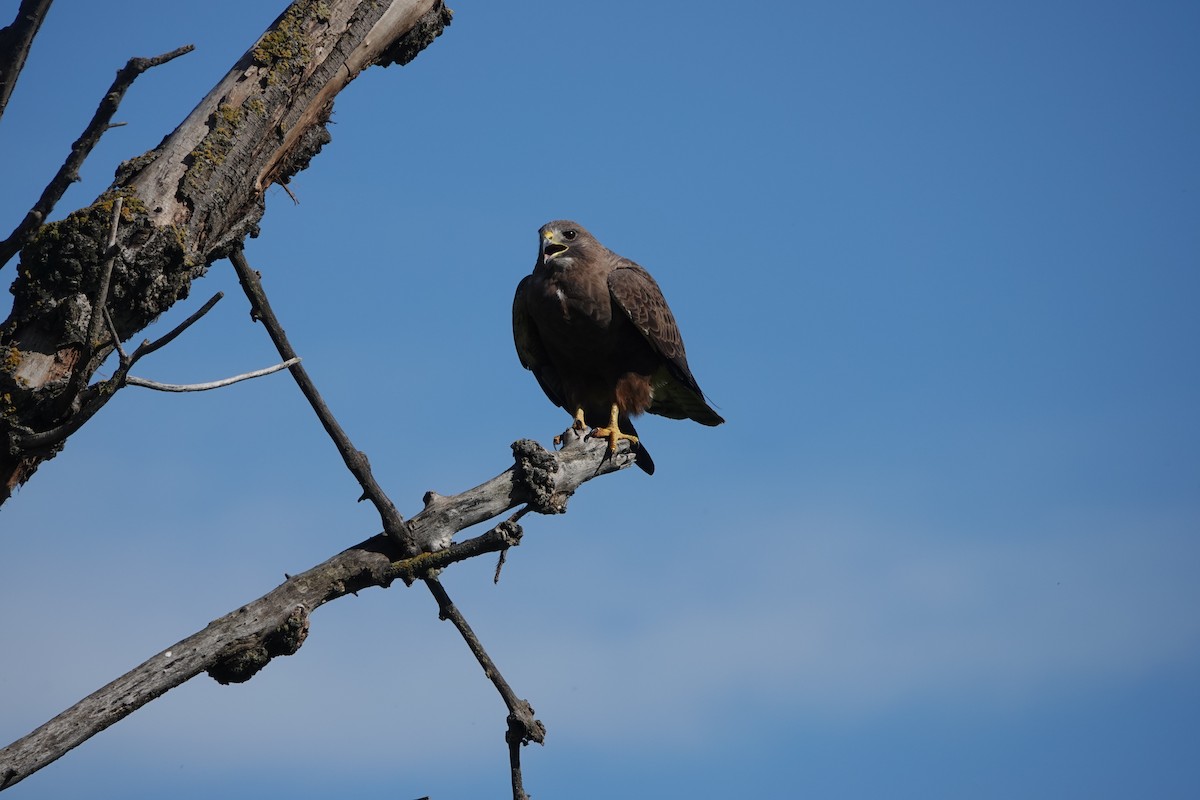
<point>848,620</point>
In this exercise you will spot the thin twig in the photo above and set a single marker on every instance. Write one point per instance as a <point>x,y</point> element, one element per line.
<point>523,727</point>
<point>116,337</point>
<point>96,396</point>
<point>99,303</point>
<point>512,521</point>
<point>132,380</point>
<point>499,565</point>
<point>68,173</point>
<point>148,347</point>
<point>356,460</point>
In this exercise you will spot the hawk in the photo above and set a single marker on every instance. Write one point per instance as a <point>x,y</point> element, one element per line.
<point>596,331</point>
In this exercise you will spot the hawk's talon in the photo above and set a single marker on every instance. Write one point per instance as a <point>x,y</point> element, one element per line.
<point>614,435</point>
<point>613,432</point>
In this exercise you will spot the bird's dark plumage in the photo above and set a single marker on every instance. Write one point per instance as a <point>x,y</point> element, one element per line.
<point>596,331</point>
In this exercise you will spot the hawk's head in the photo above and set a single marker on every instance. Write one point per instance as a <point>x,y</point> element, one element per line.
<point>559,240</point>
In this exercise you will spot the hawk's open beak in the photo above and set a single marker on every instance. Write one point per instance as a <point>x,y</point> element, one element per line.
<point>552,248</point>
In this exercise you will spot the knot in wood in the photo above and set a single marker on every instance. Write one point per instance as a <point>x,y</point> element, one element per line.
<point>535,468</point>
<point>511,532</point>
<point>243,659</point>
<point>523,727</point>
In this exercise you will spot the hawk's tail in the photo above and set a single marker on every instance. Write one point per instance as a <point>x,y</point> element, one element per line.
<point>643,459</point>
<point>677,401</point>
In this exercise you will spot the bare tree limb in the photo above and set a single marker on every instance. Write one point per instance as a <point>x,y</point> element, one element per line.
<point>15,42</point>
<point>236,646</point>
<point>187,203</point>
<point>68,173</point>
<point>132,380</point>
<point>523,727</point>
<point>172,212</point>
<point>355,459</point>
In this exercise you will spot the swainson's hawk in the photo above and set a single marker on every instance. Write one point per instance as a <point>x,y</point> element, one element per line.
<point>597,334</point>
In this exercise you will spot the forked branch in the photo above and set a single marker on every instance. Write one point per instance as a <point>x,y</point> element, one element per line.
<point>96,396</point>
<point>234,647</point>
<point>523,727</point>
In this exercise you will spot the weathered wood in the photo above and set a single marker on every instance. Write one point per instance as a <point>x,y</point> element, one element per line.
<point>236,646</point>
<point>186,204</point>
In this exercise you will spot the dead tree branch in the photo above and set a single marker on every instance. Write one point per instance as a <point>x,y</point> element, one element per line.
<point>236,646</point>
<point>523,727</point>
<point>187,203</point>
<point>68,173</point>
<point>15,42</point>
<point>355,459</point>
<point>170,214</point>
<point>132,380</point>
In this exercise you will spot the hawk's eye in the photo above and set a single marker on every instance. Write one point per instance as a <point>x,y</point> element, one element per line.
<point>569,235</point>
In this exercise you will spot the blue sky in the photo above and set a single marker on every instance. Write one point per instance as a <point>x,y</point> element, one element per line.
<point>937,264</point>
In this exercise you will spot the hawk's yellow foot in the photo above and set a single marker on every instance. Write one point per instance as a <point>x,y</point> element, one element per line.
<point>613,432</point>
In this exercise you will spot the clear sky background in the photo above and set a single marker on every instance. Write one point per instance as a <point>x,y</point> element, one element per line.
<point>937,263</point>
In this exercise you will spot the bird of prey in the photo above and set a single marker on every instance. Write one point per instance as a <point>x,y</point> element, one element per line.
<point>595,330</point>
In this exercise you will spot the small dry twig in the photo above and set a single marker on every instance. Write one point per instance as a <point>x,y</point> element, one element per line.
<point>131,380</point>
<point>523,727</point>
<point>512,521</point>
<point>100,302</point>
<point>110,252</point>
<point>96,396</point>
